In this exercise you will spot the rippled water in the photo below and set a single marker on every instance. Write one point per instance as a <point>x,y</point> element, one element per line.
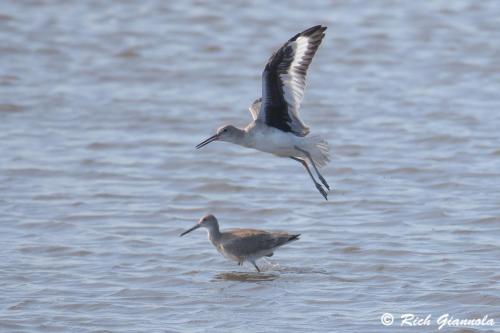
<point>101,104</point>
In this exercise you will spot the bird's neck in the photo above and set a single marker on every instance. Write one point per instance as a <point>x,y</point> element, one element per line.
<point>213,233</point>
<point>240,137</point>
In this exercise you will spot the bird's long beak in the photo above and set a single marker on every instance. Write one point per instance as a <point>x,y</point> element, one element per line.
<point>188,231</point>
<point>207,141</point>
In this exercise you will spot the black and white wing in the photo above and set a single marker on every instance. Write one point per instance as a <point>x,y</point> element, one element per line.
<point>284,79</point>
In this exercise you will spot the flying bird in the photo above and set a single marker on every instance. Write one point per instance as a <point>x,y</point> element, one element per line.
<point>276,127</point>
<point>242,245</point>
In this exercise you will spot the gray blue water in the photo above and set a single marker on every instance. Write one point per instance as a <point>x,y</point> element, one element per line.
<point>102,103</point>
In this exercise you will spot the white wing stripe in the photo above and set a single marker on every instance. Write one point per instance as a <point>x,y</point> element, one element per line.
<point>284,81</point>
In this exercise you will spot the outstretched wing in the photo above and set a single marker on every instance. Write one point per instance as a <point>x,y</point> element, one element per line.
<point>283,81</point>
<point>255,108</point>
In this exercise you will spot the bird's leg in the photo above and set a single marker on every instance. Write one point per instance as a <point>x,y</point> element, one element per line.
<point>318,186</point>
<point>314,166</point>
<point>255,265</point>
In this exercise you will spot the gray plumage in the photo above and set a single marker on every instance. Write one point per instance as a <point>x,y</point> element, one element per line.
<point>242,245</point>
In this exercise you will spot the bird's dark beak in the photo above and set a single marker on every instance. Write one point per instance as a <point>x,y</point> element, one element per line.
<point>188,231</point>
<point>207,141</point>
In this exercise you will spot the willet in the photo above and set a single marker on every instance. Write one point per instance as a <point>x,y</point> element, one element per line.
<point>276,127</point>
<point>242,245</point>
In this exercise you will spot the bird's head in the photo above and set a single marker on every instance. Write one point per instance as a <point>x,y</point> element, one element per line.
<point>228,133</point>
<point>208,221</point>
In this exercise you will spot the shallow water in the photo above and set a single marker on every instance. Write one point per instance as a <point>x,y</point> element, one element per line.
<point>101,104</point>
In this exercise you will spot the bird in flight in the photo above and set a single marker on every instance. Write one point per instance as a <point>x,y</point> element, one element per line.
<point>242,245</point>
<point>276,127</point>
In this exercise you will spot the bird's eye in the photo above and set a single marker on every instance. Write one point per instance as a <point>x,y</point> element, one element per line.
<point>225,130</point>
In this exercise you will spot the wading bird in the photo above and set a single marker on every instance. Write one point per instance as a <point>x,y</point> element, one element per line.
<point>242,245</point>
<point>276,127</point>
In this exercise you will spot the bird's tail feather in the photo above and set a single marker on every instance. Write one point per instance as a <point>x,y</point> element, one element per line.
<point>319,150</point>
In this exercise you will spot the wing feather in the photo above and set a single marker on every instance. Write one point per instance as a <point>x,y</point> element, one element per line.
<point>255,108</point>
<point>247,242</point>
<point>284,81</point>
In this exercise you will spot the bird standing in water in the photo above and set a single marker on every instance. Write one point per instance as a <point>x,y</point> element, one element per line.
<point>242,245</point>
<point>276,127</point>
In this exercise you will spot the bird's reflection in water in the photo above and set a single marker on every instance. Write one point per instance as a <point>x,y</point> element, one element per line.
<point>245,277</point>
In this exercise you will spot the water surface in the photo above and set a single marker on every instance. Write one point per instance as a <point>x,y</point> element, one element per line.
<point>102,103</point>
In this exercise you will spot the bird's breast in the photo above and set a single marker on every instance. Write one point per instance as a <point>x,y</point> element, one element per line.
<point>226,254</point>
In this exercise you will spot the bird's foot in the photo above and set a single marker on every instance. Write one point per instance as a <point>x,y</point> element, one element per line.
<point>256,267</point>
<point>324,182</point>
<point>322,191</point>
